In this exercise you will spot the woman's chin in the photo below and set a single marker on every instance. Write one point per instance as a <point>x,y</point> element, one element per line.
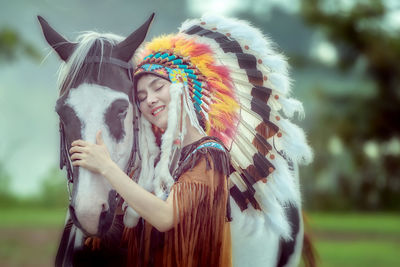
<point>161,123</point>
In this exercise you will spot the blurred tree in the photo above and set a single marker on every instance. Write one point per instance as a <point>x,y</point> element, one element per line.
<point>53,190</point>
<point>13,46</point>
<point>53,193</point>
<point>6,198</point>
<point>358,32</point>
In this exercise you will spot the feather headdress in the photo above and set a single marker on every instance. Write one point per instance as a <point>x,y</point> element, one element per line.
<point>239,85</point>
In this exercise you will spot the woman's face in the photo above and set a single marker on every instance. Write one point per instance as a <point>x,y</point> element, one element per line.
<point>153,98</point>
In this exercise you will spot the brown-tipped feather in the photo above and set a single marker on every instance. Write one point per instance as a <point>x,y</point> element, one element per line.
<point>261,147</point>
<point>267,130</point>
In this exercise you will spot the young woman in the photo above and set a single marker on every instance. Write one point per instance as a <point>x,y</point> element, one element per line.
<point>182,191</point>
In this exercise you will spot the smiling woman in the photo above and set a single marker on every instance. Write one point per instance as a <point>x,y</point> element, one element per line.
<point>153,98</point>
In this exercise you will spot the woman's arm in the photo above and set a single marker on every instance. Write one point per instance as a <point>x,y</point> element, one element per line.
<point>95,157</point>
<point>157,212</point>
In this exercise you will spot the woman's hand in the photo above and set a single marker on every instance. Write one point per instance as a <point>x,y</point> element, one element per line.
<point>94,157</point>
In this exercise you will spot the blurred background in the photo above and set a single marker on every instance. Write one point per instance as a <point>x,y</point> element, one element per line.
<point>345,58</point>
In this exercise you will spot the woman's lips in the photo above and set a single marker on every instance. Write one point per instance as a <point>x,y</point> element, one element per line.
<point>157,110</point>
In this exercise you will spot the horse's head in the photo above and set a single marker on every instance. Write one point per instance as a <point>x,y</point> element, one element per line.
<point>95,94</point>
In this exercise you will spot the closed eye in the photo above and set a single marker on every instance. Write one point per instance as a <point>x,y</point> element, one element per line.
<point>159,88</point>
<point>141,98</point>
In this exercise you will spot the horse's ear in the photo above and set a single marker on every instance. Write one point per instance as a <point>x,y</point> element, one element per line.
<point>127,47</point>
<point>63,47</point>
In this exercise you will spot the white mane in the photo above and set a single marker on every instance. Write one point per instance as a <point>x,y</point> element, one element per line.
<point>85,41</point>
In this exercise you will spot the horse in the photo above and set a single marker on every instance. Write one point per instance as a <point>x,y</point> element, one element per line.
<point>96,87</point>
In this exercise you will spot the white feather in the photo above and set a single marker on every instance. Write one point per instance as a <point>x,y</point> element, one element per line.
<point>294,143</point>
<point>291,106</point>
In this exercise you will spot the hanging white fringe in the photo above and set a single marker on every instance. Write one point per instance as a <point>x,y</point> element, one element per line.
<point>148,152</point>
<point>131,217</point>
<point>162,176</point>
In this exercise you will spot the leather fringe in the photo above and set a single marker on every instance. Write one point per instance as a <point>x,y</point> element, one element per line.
<point>198,233</point>
<point>201,233</point>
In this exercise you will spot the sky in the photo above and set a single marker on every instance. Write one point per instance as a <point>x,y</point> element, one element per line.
<point>29,143</point>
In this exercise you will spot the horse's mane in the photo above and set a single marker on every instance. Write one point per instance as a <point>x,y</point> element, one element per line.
<point>88,44</point>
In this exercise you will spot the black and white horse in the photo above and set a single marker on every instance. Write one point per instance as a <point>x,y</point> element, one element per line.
<point>95,94</point>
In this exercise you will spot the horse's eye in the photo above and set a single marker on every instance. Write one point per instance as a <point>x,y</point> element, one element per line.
<point>122,114</point>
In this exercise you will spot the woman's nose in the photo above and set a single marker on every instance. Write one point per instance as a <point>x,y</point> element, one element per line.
<point>151,99</point>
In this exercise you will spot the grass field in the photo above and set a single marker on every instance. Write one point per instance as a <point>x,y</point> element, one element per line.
<point>356,239</point>
<point>29,237</point>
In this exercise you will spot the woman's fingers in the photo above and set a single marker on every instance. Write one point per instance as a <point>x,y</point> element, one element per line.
<point>99,138</point>
<point>79,143</point>
<point>78,149</point>
<point>88,155</point>
<point>79,163</point>
<point>76,156</point>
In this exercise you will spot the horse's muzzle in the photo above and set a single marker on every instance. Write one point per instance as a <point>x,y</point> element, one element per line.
<point>94,223</point>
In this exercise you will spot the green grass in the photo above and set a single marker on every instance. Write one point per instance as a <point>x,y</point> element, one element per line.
<point>377,223</point>
<point>32,217</point>
<point>358,253</point>
<point>341,239</point>
<point>30,236</point>
<point>355,239</point>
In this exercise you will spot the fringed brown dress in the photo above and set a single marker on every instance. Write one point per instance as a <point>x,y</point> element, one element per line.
<point>201,232</point>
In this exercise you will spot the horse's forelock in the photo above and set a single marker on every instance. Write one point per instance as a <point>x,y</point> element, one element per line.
<point>88,44</point>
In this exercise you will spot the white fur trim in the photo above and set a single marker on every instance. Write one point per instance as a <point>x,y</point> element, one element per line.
<point>131,217</point>
<point>162,175</point>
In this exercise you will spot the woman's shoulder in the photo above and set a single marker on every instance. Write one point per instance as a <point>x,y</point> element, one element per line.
<point>211,150</point>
